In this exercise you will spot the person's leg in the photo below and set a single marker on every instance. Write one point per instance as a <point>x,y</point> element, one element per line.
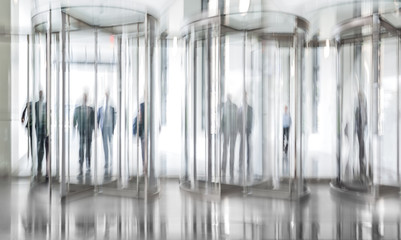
<point>224,160</point>
<point>362,165</point>
<point>285,139</point>
<point>40,147</point>
<point>233,139</point>
<point>144,164</point>
<point>105,149</point>
<point>88,153</point>
<point>241,155</point>
<point>30,142</point>
<point>47,156</point>
<point>248,156</point>
<point>81,152</point>
<point>110,149</point>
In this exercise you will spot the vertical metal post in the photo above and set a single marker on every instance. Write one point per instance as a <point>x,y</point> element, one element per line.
<point>220,76</point>
<point>63,187</point>
<point>137,107</point>
<point>339,100</point>
<point>145,119</point>
<point>28,64</point>
<point>49,114</point>
<point>300,86</point>
<point>244,114</point>
<point>94,159</point>
<point>67,100</point>
<point>193,79</point>
<point>293,105</point>
<point>48,98</point>
<point>375,143</point>
<point>398,109</point>
<point>208,82</point>
<point>119,72</point>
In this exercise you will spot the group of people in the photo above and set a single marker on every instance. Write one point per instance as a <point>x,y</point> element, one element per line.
<point>83,121</point>
<point>231,124</point>
<point>236,121</point>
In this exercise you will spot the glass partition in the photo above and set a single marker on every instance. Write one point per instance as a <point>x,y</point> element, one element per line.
<point>104,88</point>
<point>243,105</point>
<point>368,106</point>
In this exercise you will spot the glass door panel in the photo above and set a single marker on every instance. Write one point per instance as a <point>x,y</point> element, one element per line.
<point>356,165</point>
<point>389,166</point>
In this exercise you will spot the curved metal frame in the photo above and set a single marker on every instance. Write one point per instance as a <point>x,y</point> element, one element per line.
<point>150,41</point>
<point>189,32</point>
<point>375,21</point>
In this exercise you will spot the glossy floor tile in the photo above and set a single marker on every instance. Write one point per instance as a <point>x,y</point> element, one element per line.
<point>28,213</point>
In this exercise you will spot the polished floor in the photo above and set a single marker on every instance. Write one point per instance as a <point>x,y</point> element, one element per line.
<point>28,213</point>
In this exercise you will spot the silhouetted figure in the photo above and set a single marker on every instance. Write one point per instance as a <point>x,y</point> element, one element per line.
<point>229,130</point>
<point>361,121</point>
<point>248,111</point>
<point>27,117</point>
<point>41,131</point>
<point>106,119</point>
<point>84,119</point>
<point>286,129</point>
<point>138,128</point>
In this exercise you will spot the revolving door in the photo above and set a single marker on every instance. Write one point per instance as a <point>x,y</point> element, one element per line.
<point>102,108</point>
<point>243,105</point>
<point>368,107</point>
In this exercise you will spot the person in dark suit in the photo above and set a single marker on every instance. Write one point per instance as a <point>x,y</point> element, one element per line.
<point>84,121</point>
<point>244,136</point>
<point>138,128</point>
<point>229,130</point>
<point>41,130</point>
<point>27,117</point>
<point>106,121</point>
<point>361,122</point>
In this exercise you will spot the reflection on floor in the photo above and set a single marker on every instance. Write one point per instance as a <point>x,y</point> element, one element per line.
<point>29,213</point>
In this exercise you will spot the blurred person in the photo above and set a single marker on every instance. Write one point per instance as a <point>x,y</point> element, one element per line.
<point>361,121</point>
<point>229,129</point>
<point>246,110</point>
<point>41,132</point>
<point>106,122</point>
<point>286,129</point>
<point>84,121</point>
<point>138,128</point>
<point>27,116</point>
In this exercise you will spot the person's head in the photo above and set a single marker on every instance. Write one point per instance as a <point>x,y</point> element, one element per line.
<point>85,99</point>
<point>107,94</point>
<point>41,95</point>
<point>285,108</point>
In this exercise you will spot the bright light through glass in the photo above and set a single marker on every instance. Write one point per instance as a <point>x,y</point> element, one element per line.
<point>327,49</point>
<point>244,5</point>
<point>175,44</point>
